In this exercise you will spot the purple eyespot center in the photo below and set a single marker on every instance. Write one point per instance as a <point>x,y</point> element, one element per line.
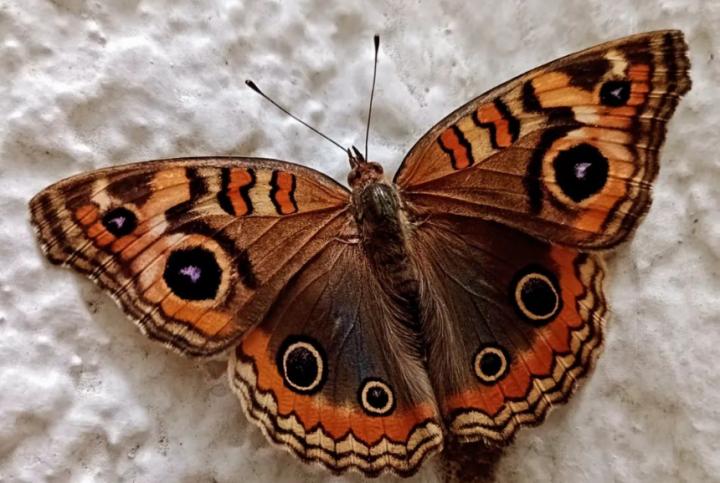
<point>120,221</point>
<point>581,169</point>
<point>192,271</point>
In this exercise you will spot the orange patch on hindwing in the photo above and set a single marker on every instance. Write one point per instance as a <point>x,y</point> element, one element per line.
<point>538,366</point>
<point>315,410</point>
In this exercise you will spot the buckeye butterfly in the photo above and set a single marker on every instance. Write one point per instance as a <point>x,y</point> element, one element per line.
<point>369,328</point>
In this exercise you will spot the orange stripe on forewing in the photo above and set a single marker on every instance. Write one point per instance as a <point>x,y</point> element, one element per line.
<point>86,214</point>
<point>282,192</point>
<point>639,73</point>
<point>313,410</point>
<point>453,142</point>
<point>241,179</point>
<point>501,136</point>
<point>554,90</point>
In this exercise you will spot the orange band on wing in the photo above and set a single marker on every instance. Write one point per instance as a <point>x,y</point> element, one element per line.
<point>311,411</point>
<point>282,192</point>
<point>503,127</point>
<point>453,142</point>
<point>234,195</point>
<point>537,361</point>
<point>88,216</point>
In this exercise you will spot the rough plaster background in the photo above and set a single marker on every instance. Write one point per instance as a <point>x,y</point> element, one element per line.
<point>86,84</point>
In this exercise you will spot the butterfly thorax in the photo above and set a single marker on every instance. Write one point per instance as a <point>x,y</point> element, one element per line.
<point>377,211</point>
<point>383,227</point>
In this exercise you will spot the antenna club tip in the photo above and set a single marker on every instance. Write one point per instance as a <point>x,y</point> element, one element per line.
<point>252,85</point>
<point>376,39</point>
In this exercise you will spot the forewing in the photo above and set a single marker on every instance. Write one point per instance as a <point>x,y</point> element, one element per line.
<point>566,152</point>
<point>195,250</point>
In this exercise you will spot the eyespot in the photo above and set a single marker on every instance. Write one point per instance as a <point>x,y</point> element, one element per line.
<point>615,93</point>
<point>376,398</point>
<point>536,296</point>
<point>491,363</point>
<point>193,273</point>
<point>120,221</point>
<point>301,362</point>
<point>581,171</point>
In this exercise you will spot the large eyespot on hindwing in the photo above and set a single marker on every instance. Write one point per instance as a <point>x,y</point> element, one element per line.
<point>535,294</point>
<point>376,398</point>
<point>302,363</point>
<point>491,363</point>
<point>119,221</point>
<point>193,273</point>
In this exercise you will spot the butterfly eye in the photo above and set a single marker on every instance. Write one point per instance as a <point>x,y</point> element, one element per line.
<point>376,397</point>
<point>376,167</point>
<point>615,93</point>
<point>536,296</point>
<point>119,221</point>
<point>353,176</point>
<point>193,274</point>
<point>491,364</point>
<point>302,365</point>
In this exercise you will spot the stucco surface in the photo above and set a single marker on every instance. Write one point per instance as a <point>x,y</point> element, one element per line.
<point>85,84</point>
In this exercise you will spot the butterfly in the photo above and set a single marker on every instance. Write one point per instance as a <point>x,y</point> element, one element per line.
<point>368,328</point>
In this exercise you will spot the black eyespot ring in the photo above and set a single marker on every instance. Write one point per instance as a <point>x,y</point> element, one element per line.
<point>302,364</point>
<point>376,398</point>
<point>581,171</point>
<point>193,273</point>
<point>535,294</point>
<point>120,221</point>
<point>615,93</point>
<point>491,363</point>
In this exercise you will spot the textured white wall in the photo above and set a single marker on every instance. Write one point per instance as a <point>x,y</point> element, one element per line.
<point>85,84</point>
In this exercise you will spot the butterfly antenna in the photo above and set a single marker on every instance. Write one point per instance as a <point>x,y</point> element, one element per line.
<point>376,39</point>
<point>254,87</point>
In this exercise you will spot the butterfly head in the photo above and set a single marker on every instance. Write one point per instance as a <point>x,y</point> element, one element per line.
<point>363,172</point>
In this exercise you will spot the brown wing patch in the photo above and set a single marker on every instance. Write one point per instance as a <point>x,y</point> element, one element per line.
<point>318,430</point>
<point>512,324</point>
<point>176,244</point>
<point>546,373</point>
<point>610,102</point>
<point>334,376</point>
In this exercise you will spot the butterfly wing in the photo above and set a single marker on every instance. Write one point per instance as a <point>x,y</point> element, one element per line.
<point>566,152</point>
<point>204,253</point>
<point>194,250</point>
<point>335,376</point>
<point>513,323</point>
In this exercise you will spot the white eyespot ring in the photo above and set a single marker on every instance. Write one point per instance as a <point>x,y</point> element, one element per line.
<point>537,297</point>
<point>376,397</point>
<point>302,365</point>
<point>491,363</point>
